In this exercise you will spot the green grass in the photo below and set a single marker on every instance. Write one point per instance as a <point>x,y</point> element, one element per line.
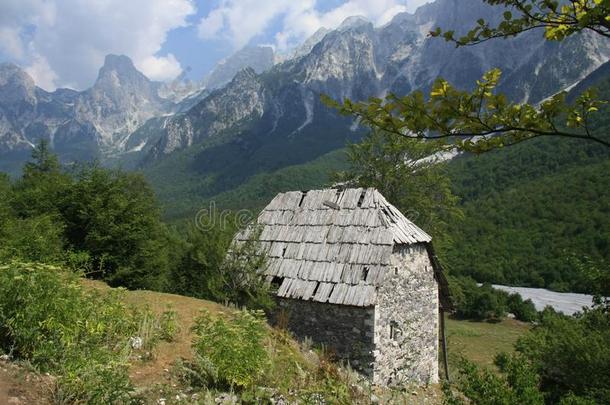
<point>480,342</point>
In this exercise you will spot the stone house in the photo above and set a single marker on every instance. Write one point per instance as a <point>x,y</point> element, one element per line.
<point>354,274</point>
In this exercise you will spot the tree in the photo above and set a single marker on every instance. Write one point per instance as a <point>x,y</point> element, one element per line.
<point>43,185</point>
<point>214,268</point>
<point>596,276</point>
<point>517,383</point>
<point>241,280</point>
<point>482,120</point>
<point>558,20</point>
<point>30,220</point>
<point>404,172</point>
<point>114,217</point>
<point>44,160</point>
<point>477,302</point>
<point>204,253</point>
<point>563,360</point>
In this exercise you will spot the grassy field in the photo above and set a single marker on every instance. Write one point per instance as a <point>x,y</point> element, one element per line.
<point>480,342</point>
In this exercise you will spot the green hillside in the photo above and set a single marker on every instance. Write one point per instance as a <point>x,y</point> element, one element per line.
<point>245,171</point>
<point>531,207</point>
<point>525,233</point>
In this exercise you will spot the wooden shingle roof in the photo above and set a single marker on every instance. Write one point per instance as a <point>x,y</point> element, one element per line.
<point>332,245</point>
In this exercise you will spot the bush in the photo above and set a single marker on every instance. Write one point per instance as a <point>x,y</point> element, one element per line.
<point>168,325</point>
<point>231,352</point>
<point>82,336</point>
<point>477,302</point>
<point>516,384</point>
<point>523,310</point>
<point>571,354</point>
<point>38,239</point>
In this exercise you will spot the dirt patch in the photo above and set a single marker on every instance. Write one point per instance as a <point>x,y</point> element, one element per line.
<point>166,353</point>
<point>21,386</point>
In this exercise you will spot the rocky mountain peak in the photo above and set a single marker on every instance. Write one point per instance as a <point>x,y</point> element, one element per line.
<point>245,75</point>
<point>310,42</point>
<point>258,58</point>
<point>355,22</point>
<point>118,63</point>
<point>119,71</point>
<point>15,84</point>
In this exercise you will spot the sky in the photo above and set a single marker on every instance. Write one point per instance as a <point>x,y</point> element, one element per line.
<point>62,43</point>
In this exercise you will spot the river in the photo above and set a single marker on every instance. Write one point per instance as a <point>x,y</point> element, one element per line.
<point>568,303</point>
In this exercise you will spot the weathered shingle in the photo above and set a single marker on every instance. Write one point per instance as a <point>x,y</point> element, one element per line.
<point>332,245</point>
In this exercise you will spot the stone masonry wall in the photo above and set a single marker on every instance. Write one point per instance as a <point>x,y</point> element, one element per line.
<point>408,308</point>
<point>348,330</point>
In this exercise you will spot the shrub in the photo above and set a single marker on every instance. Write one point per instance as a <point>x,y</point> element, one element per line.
<point>523,310</point>
<point>231,351</point>
<point>477,302</point>
<point>48,319</point>
<point>517,384</point>
<point>38,238</point>
<point>168,325</point>
<point>571,354</point>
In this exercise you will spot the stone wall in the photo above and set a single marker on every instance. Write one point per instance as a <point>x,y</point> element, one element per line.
<point>348,330</point>
<point>408,308</point>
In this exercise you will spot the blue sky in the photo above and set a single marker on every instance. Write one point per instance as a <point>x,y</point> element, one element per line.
<point>62,43</point>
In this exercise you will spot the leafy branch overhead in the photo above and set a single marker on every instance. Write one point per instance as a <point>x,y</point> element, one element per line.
<point>558,20</point>
<point>473,120</point>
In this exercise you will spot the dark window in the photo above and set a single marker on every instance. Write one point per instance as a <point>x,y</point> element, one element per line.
<point>394,331</point>
<point>395,271</point>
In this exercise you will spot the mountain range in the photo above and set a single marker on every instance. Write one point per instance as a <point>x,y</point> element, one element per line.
<point>257,112</point>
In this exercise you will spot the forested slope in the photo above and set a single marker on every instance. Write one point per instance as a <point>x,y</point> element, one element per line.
<point>531,207</point>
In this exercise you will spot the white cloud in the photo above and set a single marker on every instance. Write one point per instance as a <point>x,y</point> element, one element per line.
<point>240,21</point>
<point>42,73</point>
<point>65,41</point>
<point>162,68</point>
<point>10,43</point>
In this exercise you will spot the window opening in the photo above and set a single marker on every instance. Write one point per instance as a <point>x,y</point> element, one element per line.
<point>361,199</point>
<point>365,273</point>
